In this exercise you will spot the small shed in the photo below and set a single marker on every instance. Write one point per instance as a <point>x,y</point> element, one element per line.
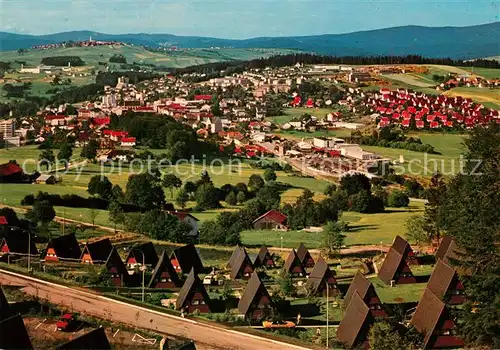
<point>46,179</point>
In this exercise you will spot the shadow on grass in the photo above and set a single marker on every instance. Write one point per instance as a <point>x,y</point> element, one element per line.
<point>422,279</point>
<point>357,228</point>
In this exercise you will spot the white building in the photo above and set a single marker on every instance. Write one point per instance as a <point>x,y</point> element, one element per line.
<point>324,142</point>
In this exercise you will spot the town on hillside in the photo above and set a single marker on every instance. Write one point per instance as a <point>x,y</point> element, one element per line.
<point>286,202</point>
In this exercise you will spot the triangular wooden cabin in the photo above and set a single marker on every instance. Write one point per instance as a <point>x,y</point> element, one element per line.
<point>15,243</point>
<point>193,295</point>
<point>117,269</point>
<point>93,340</point>
<point>304,256</point>
<point>264,259</point>
<point>293,265</point>
<point>361,285</point>
<point>135,255</point>
<point>255,302</point>
<point>242,266</point>
<point>433,320</point>
<point>402,246</point>
<point>97,252</point>
<point>447,249</point>
<point>63,248</point>
<point>186,258</point>
<point>395,266</point>
<point>13,334</point>
<point>233,257</point>
<point>444,283</point>
<point>164,275</point>
<point>320,277</point>
<point>355,326</point>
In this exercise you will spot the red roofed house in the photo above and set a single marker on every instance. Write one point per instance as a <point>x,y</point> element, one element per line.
<point>3,220</point>
<point>203,97</point>
<point>187,219</point>
<point>10,172</point>
<point>128,141</point>
<point>273,219</point>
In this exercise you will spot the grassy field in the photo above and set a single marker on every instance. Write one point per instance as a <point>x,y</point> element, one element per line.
<point>290,113</point>
<point>488,73</point>
<point>488,97</point>
<point>364,229</point>
<point>411,79</point>
<point>422,164</point>
<point>183,58</point>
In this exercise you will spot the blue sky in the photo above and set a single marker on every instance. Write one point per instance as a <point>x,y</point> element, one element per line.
<point>237,18</point>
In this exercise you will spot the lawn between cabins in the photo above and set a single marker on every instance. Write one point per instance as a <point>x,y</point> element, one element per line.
<point>365,229</point>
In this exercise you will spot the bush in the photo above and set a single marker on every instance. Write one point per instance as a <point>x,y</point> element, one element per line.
<point>75,61</point>
<point>231,199</point>
<point>398,199</point>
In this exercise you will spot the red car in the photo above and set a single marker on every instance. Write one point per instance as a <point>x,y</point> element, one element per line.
<point>65,322</point>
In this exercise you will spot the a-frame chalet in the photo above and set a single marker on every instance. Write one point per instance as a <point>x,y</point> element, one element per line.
<point>193,295</point>
<point>304,256</point>
<point>320,277</point>
<point>445,284</point>
<point>242,266</point>
<point>355,326</point>
<point>264,259</point>
<point>366,291</point>
<point>256,302</point>
<point>164,275</point>
<point>293,265</point>
<point>395,266</point>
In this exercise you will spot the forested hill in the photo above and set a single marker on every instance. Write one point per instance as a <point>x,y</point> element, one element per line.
<point>456,42</point>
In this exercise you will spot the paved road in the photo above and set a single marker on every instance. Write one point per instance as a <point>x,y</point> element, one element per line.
<point>205,336</point>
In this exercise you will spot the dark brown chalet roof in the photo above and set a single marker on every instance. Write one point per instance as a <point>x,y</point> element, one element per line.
<point>447,249</point>
<point>356,322</point>
<point>254,288</point>
<point>401,245</point>
<point>320,272</point>
<point>293,260</point>
<point>150,255</point>
<point>18,240</point>
<point>303,253</point>
<point>95,339</point>
<point>99,251</point>
<point>4,306</point>
<point>233,257</point>
<point>393,262</point>
<point>442,278</point>
<point>13,334</point>
<point>263,255</point>
<point>188,258</point>
<point>192,283</point>
<point>66,247</point>
<point>359,284</point>
<point>163,264</point>
<point>429,311</point>
<point>115,261</point>
<point>239,263</point>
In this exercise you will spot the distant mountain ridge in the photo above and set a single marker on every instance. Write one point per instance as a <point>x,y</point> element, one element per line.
<point>433,42</point>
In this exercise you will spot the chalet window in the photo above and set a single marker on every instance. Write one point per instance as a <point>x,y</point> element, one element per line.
<point>165,280</point>
<point>195,302</point>
<point>202,302</point>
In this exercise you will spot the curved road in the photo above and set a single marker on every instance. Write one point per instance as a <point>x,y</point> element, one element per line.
<point>205,336</point>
